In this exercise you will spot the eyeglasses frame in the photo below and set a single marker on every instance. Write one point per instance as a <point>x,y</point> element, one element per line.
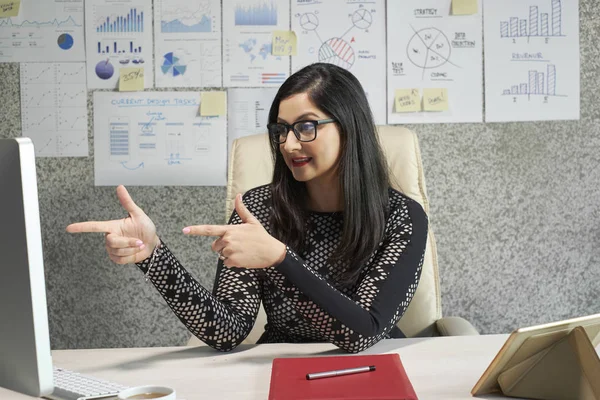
<point>289,127</point>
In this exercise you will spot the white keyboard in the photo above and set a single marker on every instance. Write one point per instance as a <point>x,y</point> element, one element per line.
<point>69,385</point>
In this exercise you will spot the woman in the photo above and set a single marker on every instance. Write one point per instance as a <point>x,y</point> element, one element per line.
<point>330,249</point>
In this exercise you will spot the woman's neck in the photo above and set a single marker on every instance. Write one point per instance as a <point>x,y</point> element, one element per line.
<point>324,196</point>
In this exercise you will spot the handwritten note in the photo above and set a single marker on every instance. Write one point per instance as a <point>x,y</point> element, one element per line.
<point>284,43</point>
<point>9,8</point>
<point>213,103</point>
<point>407,100</point>
<point>131,79</point>
<point>464,7</point>
<point>435,99</point>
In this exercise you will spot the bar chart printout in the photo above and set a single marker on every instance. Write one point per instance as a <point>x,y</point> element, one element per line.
<point>539,83</point>
<point>531,60</point>
<point>118,35</point>
<point>538,22</point>
<point>256,14</point>
<point>248,59</point>
<point>132,22</point>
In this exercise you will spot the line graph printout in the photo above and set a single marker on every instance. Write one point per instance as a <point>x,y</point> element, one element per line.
<point>429,49</point>
<point>187,43</point>
<point>54,108</point>
<point>531,60</point>
<point>118,34</point>
<point>157,138</point>
<point>45,30</point>
<point>248,27</point>
<point>248,112</point>
<point>346,33</point>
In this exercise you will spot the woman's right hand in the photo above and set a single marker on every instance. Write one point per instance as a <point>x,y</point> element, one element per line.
<point>128,240</point>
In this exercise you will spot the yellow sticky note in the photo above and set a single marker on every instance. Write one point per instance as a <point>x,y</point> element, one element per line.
<point>9,8</point>
<point>435,99</point>
<point>131,79</point>
<point>464,7</point>
<point>213,103</point>
<point>284,43</point>
<point>407,100</point>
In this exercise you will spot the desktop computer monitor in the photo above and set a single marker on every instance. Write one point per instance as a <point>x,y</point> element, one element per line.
<point>25,358</point>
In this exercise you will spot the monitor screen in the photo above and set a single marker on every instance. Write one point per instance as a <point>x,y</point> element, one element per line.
<point>25,358</point>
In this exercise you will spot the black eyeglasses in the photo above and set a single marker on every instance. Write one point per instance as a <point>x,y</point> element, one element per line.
<point>305,131</point>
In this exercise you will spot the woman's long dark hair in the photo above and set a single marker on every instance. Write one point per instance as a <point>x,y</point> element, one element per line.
<point>362,170</point>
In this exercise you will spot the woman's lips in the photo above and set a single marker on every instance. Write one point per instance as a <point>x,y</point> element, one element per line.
<point>300,161</point>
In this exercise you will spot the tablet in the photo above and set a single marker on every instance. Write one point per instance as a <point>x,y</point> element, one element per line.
<point>525,342</point>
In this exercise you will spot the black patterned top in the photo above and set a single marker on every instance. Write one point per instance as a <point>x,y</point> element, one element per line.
<point>301,300</point>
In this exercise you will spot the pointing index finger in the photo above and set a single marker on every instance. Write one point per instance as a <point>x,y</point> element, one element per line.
<point>206,230</point>
<point>90,226</point>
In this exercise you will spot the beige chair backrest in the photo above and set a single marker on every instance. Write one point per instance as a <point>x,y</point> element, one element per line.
<point>250,165</point>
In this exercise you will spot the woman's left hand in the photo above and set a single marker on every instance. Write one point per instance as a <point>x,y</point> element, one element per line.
<point>246,245</point>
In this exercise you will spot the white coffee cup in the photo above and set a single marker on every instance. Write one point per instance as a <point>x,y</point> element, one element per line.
<point>129,394</point>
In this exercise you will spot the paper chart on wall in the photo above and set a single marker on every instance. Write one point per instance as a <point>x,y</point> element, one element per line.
<point>532,60</point>
<point>54,108</point>
<point>45,30</point>
<point>248,27</point>
<point>157,138</point>
<point>346,33</point>
<point>187,36</point>
<point>248,112</point>
<point>118,35</point>
<point>429,48</point>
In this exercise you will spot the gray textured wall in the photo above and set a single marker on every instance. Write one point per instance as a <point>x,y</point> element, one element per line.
<point>515,208</point>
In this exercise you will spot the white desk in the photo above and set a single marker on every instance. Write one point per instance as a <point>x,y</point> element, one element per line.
<point>439,368</point>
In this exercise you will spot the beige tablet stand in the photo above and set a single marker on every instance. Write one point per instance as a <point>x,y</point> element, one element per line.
<point>567,369</point>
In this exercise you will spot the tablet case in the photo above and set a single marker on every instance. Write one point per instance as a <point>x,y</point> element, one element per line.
<point>567,369</point>
<point>389,380</point>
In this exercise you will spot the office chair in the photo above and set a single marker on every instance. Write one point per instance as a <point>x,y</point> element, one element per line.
<point>250,165</point>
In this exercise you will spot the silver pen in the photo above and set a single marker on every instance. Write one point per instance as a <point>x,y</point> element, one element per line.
<point>339,372</point>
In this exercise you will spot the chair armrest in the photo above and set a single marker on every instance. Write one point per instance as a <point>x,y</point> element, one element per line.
<point>455,326</point>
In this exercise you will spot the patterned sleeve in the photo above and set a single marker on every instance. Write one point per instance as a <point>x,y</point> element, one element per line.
<point>221,319</point>
<point>382,296</point>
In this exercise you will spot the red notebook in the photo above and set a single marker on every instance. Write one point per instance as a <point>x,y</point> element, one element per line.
<point>388,381</point>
